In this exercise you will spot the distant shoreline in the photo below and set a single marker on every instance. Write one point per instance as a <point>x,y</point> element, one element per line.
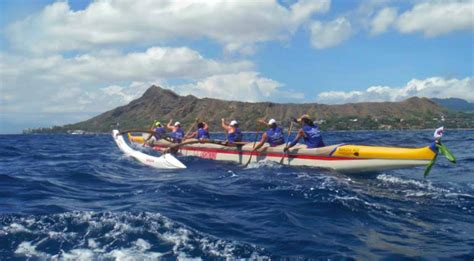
<point>221,132</point>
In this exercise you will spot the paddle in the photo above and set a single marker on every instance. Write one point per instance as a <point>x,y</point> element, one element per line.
<point>446,153</point>
<point>444,150</point>
<point>287,140</point>
<point>251,153</point>
<point>226,143</point>
<point>440,148</point>
<point>218,142</point>
<point>254,143</point>
<point>151,128</point>
<point>175,147</point>
<point>136,130</point>
<point>191,128</point>
<point>165,136</point>
<point>430,165</point>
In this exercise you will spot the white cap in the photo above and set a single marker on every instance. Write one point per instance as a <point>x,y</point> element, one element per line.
<point>234,122</point>
<point>177,123</point>
<point>271,121</point>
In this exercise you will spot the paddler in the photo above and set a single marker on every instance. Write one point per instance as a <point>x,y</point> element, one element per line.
<point>233,132</point>
<point>273,135</point>
<point>309,132</point>
<point>177,133</point>
<point>202,132</point>
<point>159,133</point>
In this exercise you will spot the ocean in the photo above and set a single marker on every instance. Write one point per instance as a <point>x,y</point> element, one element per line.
<point>78,197</point>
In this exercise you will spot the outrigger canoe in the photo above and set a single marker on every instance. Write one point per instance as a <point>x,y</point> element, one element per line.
<point>341,158</point>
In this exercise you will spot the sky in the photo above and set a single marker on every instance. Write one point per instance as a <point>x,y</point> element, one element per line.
<point>66,61</point>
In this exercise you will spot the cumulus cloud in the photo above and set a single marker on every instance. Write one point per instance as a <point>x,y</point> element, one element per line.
<point>430,18</point>
<point>383,20</point>
<point>437,18</point>
<point>95,100</point>
<point>42,83</point>
<point>325,35</point>
<point>235,24</point>
<point>242,86</point>
<point>302,10</point>
<point>101,81</point>
<point>113,66</point>
<point>434,87</point>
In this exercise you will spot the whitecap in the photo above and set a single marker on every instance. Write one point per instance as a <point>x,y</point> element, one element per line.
<point>264,164</point>
<point>15,228</point>
<point>106,236</point>
<point>28,250</point>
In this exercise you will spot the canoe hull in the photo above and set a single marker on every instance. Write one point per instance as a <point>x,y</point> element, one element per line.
<point>340,158</point>
<point>346,165</point>
<point>300,156</point>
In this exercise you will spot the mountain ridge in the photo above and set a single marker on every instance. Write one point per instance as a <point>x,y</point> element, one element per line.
<point>164,104</point>
<point>455,104</point>
<point>158,103</point>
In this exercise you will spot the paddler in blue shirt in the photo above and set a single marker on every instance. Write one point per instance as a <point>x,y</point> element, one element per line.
<point>159,133</point>
<point>233,132</point>
<point>177,133</point>
<point>274,135</point>
<point>202,132</point>
<point>309,132</point>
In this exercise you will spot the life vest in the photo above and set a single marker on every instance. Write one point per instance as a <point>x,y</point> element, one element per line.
<point>235,136</point>
<point>312,136</point>
<point>202,134</point>
<point>275,136</point>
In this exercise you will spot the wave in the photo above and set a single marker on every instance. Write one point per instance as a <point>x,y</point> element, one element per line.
<point>427,192</point>
<point>220,210</point>
<point>264,164</point>
<point>95,235</point>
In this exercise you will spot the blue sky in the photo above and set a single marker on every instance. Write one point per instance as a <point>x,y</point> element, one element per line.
<point>62,62</point>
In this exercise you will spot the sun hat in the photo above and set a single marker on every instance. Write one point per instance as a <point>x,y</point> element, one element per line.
<point>304,116</point>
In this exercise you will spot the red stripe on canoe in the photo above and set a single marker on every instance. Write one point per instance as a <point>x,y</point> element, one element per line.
<point>256,154</point>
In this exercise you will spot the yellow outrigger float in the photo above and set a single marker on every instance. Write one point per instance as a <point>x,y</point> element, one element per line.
<point>341,157</point>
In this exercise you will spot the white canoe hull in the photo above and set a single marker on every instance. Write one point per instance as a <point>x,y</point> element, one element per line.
<point>166,161</point>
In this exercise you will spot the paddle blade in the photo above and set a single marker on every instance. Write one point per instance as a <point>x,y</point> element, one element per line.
<point>430,165</point>
<point>445,151</point>
<point>282,158</point>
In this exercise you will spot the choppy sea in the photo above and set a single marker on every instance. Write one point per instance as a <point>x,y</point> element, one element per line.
<point>78,197</point>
